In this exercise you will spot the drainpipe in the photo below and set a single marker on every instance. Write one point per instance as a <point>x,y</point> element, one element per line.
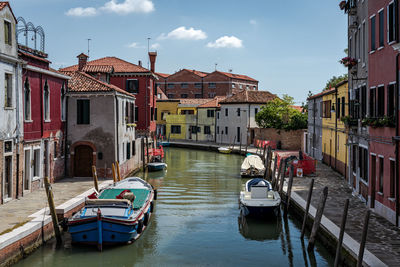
<point>397,141</point>
<point>313,129</point>
<point>336,118</point>
<point>215,125</point>
<point>17,143</point>
<point>117,124</point>
<point>66,129</point>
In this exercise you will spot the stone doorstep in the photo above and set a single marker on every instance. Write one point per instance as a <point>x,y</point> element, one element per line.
<point>349,243</point>
<point>42,217</point>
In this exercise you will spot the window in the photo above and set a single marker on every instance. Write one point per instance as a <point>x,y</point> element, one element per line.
<point>197,85</point>
<point>391,22</point>
<point>155,114</point>
<point>132,86</point>
<point>133,148</point>
<point>238,112</point>
<point>327,109</point>
<point>391,100</point>
<point>207,130</point>
<point>247,87</point>
<point>175,129</point>
<point>217,129</point>
<point>194,129</point>
<point>240,86</point>
<point>212,85</point>
<point>211,95</point>
<point>46,101</point>
<point>338,109</point>
<point>8,90</point>
<point>343,106</point>
<point>36,163</point>
<point>255,111</point>
<point>364,42</point>
<point>128,150</point>
<point>7,33</point>
<point>381,101</point>
<point>238,134</point>
<point>187,112</point>
<point>363,101</point>
<point>27,98</point>
<point>392,179</point>
<point>170,86</point>
<point>55,149</point>
<point>184,85</point>
<point>233,85</point>
<point>363,163</point>
<point>218,115</point>
<point>83,111</point>
<point>170,95</point>
<point>372,103</point>
<point>136,114</point>
<point>373,34</point>
<point>381,168</point>
<point>198,96</point>
<point>354,159</point>
<point>226,112</point>
<point>321,109</point>
<point>226,130</point>
<point>151,113</point>
<point>381,28</point>
<point>210,113</point>
<point>184,95</point>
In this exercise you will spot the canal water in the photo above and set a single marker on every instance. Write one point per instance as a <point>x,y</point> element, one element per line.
<point>196,222</point>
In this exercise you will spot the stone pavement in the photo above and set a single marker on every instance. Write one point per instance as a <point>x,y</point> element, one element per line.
<point>18,210</point>
<point>383,238</point>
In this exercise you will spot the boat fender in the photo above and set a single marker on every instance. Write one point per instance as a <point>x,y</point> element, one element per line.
<point>151,207</point>
<point>146,219</point>
<point>139,228</point>
<point>155,194</point>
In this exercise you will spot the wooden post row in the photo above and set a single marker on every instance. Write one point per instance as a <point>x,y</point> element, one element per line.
<point>310,190</point>
<point>52,208</point>
<point>114,174</point>
<point>318,217</point>
<point>95,180</point>
<point>342,226</point>
<point>289,188</point>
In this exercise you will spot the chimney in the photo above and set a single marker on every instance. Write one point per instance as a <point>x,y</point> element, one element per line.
<point>152,56</point>
<point>140,63</point>
<point>82,60</point>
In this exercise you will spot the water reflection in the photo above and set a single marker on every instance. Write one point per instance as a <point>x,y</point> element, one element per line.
<point>260,230</point>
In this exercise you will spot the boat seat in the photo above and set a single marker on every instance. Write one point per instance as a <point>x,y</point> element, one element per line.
<point>259,192</point>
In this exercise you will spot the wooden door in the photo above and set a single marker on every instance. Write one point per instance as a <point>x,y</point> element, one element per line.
<point>83,161</point>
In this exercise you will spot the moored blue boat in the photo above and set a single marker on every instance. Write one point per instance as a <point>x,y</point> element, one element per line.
<point>156,166</point>
<point>118,215</point>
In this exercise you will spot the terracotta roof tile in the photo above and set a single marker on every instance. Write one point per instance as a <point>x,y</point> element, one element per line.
<point>237,76</point>
<point>163,75</point>
<point>197,72</point>
<point>20,52</point>
<point>160,92</point>
<point>193,101</point>
<point>322,93</point>
<point>298,108</point>
<point>98,68</point>
<point>119,65</point>
<point>213,103</point>
<point>247,96</point>
<point>82,82</point>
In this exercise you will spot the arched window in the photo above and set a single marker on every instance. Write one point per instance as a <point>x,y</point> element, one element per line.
<point>46,101</point>
<point>27,106</point>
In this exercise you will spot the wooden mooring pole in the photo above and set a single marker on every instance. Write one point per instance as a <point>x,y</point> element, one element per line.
<point>240,147</point>
<point>276,186</point>
<point>273,178</point>
<point>289,188</point>
<point>143,156</point>
<point>263,155</point>
<point>113,173</point>
<point>269,161</point>
<point>147,149</point>
<point>318,217</point>
<point>52,208</point>
<point>282,178</point>
<point>363,239</point>
<point>342,226</point>
<point>310,190</point>
<point>118,171</point>
<point>95,180</point>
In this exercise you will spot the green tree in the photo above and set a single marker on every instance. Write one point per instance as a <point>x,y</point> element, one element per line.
<point>279,114</point>
<point>332,82</point>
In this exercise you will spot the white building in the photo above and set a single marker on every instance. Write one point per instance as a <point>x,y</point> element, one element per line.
<point>11,120</point>
<point>237,116</point>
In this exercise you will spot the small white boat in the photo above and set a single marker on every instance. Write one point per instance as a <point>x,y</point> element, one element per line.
<point>156,166</point>
<point>224,150</point>
<point>252,166</point>
<point>258,198</point>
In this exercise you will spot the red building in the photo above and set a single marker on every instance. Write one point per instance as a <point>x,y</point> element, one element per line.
<point>383,34</point>
<point>44,118</point>
<point>197,84</point>
<point>130,77</point>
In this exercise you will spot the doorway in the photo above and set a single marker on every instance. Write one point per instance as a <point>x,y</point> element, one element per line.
<point>83,161</point>
<point>8,177</point>
<point>27,168</point>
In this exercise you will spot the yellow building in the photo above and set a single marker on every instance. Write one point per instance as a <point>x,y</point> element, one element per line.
<point>183,125</point>
<point>164,108</point>
<point>207,119</point>
<point>334,133</point>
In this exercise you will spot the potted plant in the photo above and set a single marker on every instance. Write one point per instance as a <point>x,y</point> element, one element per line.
<point>342,5</point>
<point>349,62</point>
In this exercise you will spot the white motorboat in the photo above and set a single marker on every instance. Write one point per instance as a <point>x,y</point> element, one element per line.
<point>224,150</point>
<point>258,198</point>
<point>252,167</point>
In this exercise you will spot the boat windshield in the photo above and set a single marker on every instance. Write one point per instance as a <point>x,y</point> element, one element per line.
<point>105,211</point>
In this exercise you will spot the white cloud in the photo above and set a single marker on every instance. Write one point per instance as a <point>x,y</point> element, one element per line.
<point>135,45</point>
<point>181,33</point>
<point>155,46</point>
<point>226,41</point>
<point>112,6</point>
<point>82,12</point>
<point>253,22</point>
<point>129,6</point>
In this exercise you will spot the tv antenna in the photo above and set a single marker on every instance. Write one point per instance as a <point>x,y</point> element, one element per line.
<point>216,66</point>
<point>88,42</point>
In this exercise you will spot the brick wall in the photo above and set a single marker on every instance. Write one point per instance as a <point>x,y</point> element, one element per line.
<point>290,140</point>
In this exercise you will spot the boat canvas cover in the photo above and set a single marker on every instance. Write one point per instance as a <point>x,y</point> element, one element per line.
<point>252,160</point>
<point>140,195</point>
<point>258,182</point>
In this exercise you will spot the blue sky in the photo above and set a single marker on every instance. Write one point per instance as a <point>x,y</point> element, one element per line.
<point>289,46</point>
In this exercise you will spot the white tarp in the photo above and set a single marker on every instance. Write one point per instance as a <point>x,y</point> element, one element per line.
<point>252,160</point>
